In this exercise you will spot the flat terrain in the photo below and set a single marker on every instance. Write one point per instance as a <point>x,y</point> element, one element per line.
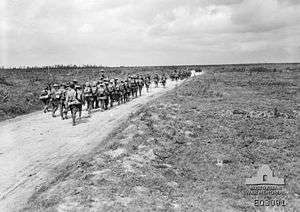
<point>190,149</point>
<point>35,144</point>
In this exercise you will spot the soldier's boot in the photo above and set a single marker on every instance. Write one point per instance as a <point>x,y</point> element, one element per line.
<point>61,108</point>
<point>53,111</point>
<point>73,112</point>
<point>111,102</point>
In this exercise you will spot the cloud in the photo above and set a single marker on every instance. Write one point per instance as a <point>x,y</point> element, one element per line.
<point>148,32</point>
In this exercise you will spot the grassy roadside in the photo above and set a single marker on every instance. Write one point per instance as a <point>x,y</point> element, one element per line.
<point>189,150</point>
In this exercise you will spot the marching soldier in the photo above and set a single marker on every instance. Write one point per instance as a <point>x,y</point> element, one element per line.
<point>45,98</point>
<point>111,92</point>
<point>72,102</point>
<point>62,102</point>
<point>80,98</point>
<point>147,83</point>
<point>55,98</point>
<point>106,101</point>
<point>156,80</point>
<point>102,95</point>
<point>128,89</point>
<point>94,88</point>
<point>88,96</point>
<point>140,83</point>
<point>163,80</point>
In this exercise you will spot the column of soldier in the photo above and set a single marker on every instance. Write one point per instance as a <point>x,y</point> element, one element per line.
<point>101,94</point>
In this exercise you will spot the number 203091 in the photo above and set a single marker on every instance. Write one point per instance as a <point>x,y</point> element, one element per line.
<point>270,202</point>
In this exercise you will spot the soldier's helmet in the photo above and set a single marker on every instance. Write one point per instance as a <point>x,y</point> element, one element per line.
<point>94,84</point>
<point>116,79</point>
<point>87,84</point>
<point>112,80</point>
<point>78,86</point>
<point>63,85</point>
<point>101,84</point>
<point>101,70</point>
<point>55,85</point>
<point>75,81</point>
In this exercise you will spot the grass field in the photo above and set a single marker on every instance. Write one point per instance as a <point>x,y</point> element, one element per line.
<point>191,149</point>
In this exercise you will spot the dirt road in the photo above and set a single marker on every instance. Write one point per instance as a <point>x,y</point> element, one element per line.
<point>34,144</point>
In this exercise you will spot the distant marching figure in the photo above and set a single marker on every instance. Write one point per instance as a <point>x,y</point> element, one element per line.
<point>140,83</point>
<point>127,89</point>
<point>102,95</point>
<point>55,98</point>
<point>45,98</point>
<point>156,80</point>
<point>88,96</point>
<point>106,101</point>
<point>62,102</point>
<point>80,98</point>
<point>147,82</point>
<point>111,92</point>
<point>135,87</point>
<point>163,80</point>
<point>94,95</point>
<point>73,102</point>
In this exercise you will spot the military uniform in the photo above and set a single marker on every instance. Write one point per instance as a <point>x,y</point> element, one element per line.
<point>163,80</point>
<point>73,101</point>
<point>55,99</point>
<point>111,93</point>
<point>156,80</point>
<point>94,88</point>
<point>45,98</point>
<point>62,102</point>
<point>88,96</point>
<point>102,96</point>
<point>140,83</point>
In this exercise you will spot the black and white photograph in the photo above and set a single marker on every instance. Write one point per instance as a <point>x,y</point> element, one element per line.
<point>149,105</point>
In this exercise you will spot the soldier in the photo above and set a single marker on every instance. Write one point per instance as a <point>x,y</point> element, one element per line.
<point>128,89</point>
<point>111,92</point>
<point>122,91</point>
<point>140,83</point>
<point>176,75</point>
<point>88,96</point>
<point>102,76</point>
<point>95,103</point>
<point>118,92</point>
<point>62,102</point>
<point>80,98</point>
<point>156,80</point>
<point>147,83</point>
<point>45,98</point>
<point>102,96</point>
<point>132,86</point>
<point>55,97</point>
<point>163,80</point>
<point>73,102</point>
<point>106,101</point>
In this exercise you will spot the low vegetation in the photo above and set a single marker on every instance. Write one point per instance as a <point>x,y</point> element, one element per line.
<point>189,150</point>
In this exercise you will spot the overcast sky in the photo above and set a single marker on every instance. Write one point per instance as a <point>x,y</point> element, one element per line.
<point>148,32</point>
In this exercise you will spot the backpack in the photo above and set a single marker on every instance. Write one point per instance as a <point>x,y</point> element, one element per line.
<point>101,91</point>
<point>87,91</point>
<point>94,90</point>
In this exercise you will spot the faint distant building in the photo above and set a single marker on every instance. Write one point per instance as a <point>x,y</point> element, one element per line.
<point>264,176</point>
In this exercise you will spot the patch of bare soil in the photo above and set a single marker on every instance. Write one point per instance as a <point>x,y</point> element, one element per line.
<point>189,150</point>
